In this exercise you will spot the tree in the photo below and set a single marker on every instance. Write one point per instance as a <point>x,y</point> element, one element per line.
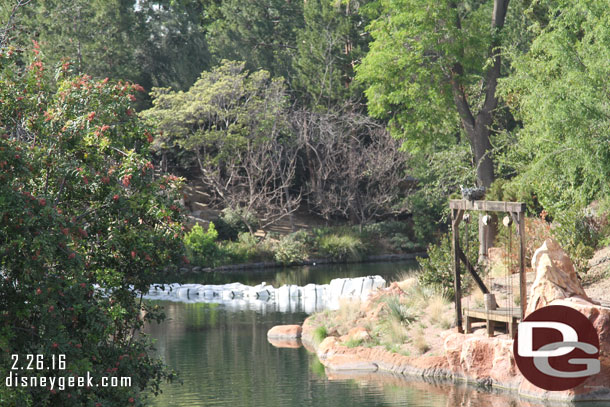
<point>428,67</point>
<point>432,66</point>
<point>235,125</point>
<point>83,224</point>
<point>261,32</point>
<point>559,91</point>
<point>355,170</point>
<point>173,49</point>
<point>99,37</point>
<point>152,42</point>
<point>330,44</point>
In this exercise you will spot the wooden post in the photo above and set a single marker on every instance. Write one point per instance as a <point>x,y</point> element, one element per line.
<point>456,217</point>
<point>522,277</point>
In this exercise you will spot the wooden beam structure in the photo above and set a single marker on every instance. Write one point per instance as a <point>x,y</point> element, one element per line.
<point>487,206</point>
<point>458,207</point>
<point>509,316</point>
<point>472,271</point>
<point>456,218</point>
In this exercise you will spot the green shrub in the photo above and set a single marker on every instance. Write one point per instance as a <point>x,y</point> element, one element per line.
<point>290,250</point>
<point>353,343</point>
<point>246,249</point>
<point>436,271</point>
<point>401,242</point>
<point>319,334</point>
<point>304,237</point>
<point>232,222</point>
<point>429,212</point>
<point>386,228</point>
<point>401,313</point>
<point>201,246</point>
<point>342,247</point>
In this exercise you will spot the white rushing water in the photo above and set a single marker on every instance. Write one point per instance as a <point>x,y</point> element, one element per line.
<point>287,298</point>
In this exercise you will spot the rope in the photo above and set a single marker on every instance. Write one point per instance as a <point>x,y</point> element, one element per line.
<point>510,269</point>
<point>467,245</point>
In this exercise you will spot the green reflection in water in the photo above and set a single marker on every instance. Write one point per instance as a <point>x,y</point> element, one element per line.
<point>225,360</point>
<point>304,275</point>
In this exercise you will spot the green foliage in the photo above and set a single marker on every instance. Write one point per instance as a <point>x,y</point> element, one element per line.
<point>153,42</point>
<point>201,246</point>
<point>261,33</point>
<point>230,121</point>
<point>396,233</point>
<point>399,312</point>
<point>353,343</point>
<point>172,49</point>
<point>342,247</point>
<point>79,207</point>
<point>223,111</point>
<point>414,45</point>
<point>232,222</point>
<point>558,90</point>
<point>329,45</point>
<point>436,271</point>
<point>289,250</point>
<point>95,35</point>
<point>246,249</point>
<point>440,174</point>
<point>319,334</point>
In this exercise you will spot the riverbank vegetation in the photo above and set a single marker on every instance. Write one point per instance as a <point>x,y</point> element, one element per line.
<point>406,320</point>
<point>340,244</point>
<point>361,117</point>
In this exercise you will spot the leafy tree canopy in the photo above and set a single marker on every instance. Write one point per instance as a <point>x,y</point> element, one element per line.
<point>83,221</point>
<point>558,91</point>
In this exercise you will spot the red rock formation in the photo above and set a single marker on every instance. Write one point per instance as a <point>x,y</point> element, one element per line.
<point>285,332</point>
<point>478,358</point>
<point>555,277</point>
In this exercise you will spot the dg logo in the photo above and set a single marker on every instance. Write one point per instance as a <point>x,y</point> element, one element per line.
<point>557,348</point>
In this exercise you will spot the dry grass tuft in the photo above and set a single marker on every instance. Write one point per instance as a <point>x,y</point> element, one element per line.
<point>395,331</point>
<point>406,281</point>
<point>419,342</point>
<point>437,309</point>
<point>348,310</point>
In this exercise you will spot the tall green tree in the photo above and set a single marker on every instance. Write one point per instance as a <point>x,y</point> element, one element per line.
<point>173,49</point>
<point>433,70</point>
<point>84,223</point>
<point>331,43</point>
<point>151,42</point>
<point>260,32</point>
<point>559,90</point>
<point>98,36</point>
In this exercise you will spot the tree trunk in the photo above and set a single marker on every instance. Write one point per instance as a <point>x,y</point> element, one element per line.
<point>478,127</point>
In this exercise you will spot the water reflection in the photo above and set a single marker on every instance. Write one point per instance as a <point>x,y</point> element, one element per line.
<point>301,276</point>
<point>225,360</point>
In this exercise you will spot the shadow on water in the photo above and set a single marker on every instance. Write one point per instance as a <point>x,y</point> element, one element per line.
<point>302,275</point>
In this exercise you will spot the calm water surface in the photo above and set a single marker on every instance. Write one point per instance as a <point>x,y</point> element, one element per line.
<point>224,358</point>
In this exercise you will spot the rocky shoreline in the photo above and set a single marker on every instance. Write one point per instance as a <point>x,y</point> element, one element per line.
<point>476,358</point>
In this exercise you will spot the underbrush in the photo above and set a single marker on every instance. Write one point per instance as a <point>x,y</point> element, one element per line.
<point>404,321</point>
<point>228,243</point>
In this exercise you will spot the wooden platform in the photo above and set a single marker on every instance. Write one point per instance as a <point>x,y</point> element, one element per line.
<point>509,316</point>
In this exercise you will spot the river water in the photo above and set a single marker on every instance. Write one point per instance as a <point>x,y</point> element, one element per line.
<point>224,359</point>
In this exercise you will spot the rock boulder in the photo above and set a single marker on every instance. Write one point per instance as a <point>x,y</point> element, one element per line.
<point>555,277</point>
<point>285,332</point>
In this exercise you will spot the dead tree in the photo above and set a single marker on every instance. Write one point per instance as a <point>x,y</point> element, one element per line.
<point>355,169</point>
